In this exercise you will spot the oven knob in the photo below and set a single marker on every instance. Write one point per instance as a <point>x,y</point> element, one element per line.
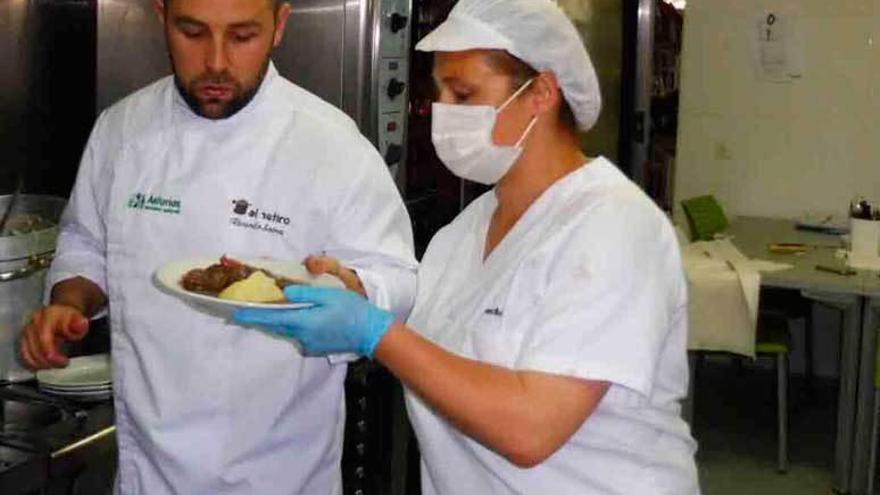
<point>398,22</point>
<point>395,88</point>
<point>394,154</point>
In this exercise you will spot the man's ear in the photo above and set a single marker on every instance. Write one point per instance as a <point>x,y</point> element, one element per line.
<point>281,17</point>
<point>159,7</point>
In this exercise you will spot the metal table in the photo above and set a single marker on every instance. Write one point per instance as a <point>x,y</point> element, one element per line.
<point>846,293</point>
<point>866,417</point>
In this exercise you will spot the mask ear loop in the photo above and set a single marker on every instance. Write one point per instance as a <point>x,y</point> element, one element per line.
<point>509,100</point>
<point>515,95</point>
<point>528,131</point>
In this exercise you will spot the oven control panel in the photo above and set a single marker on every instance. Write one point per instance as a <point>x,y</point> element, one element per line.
<point>394,21</point>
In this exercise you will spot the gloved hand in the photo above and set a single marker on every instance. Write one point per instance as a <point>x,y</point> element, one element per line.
<point>340,321</point>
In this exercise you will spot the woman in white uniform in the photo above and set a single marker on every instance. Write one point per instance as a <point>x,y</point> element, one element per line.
<point>546,350</point>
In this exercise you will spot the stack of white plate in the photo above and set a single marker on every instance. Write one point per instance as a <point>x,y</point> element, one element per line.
<point>86,378</point>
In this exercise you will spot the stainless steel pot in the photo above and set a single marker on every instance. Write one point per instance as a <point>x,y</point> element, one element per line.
<point>24,259</point>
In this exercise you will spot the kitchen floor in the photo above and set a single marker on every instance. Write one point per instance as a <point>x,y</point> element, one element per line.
<point>735,425</point>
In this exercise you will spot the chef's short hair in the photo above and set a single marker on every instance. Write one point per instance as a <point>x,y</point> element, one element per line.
<point>521,73</point>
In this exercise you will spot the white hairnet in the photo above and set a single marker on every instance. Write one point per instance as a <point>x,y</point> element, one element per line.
<point>535,31</point>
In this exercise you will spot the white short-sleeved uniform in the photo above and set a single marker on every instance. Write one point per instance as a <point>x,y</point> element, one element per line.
<point>204,406</point>
<point>589,283</point>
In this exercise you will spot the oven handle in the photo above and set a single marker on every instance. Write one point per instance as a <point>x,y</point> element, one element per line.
<point>34,265</point>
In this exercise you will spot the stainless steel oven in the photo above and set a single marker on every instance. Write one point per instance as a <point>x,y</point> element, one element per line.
<point>352,53</point>
<point>355,54</point>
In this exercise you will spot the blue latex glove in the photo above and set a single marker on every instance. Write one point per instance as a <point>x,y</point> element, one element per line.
<point>340,321</point>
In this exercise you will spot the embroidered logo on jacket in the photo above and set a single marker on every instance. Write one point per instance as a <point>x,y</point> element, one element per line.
<point>494,312</point>
<point>153,202</point>
<point>247,216</point>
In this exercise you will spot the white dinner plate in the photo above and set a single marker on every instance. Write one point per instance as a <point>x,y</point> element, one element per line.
<point>73,388</point>
<point>102,391</point>
<point>81,396</point>
<point>85,371</point>
<point>168,278</point>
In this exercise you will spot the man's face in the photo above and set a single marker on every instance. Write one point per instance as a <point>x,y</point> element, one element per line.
<point>220,49</point>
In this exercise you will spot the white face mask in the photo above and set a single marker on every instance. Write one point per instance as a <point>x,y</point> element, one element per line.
<point>462,136</point>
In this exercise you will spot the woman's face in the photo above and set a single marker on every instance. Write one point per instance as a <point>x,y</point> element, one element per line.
<point>467,78</point>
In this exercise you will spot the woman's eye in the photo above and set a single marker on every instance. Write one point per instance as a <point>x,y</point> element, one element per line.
<point>461,97</point>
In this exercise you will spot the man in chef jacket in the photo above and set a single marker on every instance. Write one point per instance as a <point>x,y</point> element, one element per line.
<point>226,156</point>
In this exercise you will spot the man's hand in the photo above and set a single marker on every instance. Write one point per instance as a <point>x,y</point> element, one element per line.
<point>48,329</point>
<point>64,320</point>
<point>318,265</point>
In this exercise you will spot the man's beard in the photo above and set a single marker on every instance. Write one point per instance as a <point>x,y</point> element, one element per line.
<point>241,96</point>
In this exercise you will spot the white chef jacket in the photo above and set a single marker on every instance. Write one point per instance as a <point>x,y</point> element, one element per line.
<point>589,284</point>
<point>204,406</point>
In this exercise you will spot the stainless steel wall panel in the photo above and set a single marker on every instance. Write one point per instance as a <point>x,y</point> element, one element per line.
<point>13,87</point>
<point>313,48</point>
<point>600,23</point>
<point>357,63</point>
<point>13,50</point>
<point>131,49</point>
<point>47,77</point>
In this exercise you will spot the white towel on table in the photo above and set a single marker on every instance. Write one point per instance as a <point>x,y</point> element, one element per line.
<point>725,287</point>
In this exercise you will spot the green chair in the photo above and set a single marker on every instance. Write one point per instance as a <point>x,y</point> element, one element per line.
<point>772,340</point>
<point>705,217</point>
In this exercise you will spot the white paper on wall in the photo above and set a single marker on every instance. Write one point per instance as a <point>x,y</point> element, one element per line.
<point>778,47</point>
